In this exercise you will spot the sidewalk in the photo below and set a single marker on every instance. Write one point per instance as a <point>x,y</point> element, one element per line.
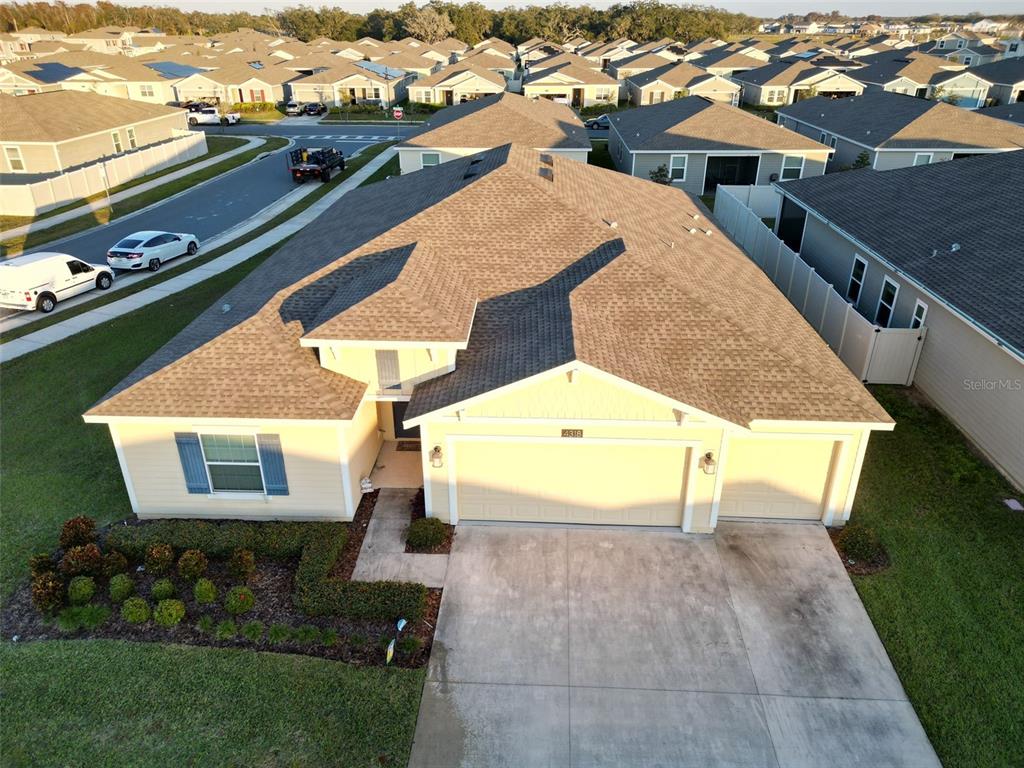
<point>63,330</point>
<point>74,213</point>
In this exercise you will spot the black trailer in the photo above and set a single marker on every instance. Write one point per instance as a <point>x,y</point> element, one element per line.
<point>314,163</point>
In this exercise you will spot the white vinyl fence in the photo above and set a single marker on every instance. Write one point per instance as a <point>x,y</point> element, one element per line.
<point>875,355</point>
<point>40,196</point>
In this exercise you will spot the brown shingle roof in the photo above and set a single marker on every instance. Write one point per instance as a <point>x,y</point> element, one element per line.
<point>583,75</point>
<point>467,65</point>
<point>62,115</point>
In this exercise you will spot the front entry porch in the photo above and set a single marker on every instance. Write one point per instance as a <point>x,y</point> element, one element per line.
<point>398,465</point>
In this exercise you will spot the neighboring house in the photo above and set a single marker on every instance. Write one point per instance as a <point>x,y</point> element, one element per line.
<point>575,44</point>
<point>604,54</point>
<point>561,59</point>
<point>416,65</point>
<point>13,48</point>
<point>907,253</point>
<point>58,131</point>
<point>703,144</point>
<point>637,64</point>
<point>1013,113</point>
<point>569,345</point>
<point>536,49</point>
<point>673,81</point>
<point>496,47</point>
<point>917,74</point>
<point>1005,78</point>
<point>105,40</point>
<point>495,62</point>
<point>787,81</point>
<point>87,71</point>
<point>456,84</point>
<point>726,63</point>
<point>491,121</point>
<point>571,84</point>
<point>978,53</point>
<point>237,82</point>
<point>353,82</point>
<point>897,131</point>
<point>454,47</point>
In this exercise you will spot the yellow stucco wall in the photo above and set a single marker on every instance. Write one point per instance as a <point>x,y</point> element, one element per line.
<point>415,364</point>
<point>362,440</point>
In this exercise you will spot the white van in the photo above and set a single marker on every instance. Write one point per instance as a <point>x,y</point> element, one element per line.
<point>40,280</point>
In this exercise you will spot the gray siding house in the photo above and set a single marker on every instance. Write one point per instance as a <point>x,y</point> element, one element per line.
<point>703,144</point>
<point>956,266</point>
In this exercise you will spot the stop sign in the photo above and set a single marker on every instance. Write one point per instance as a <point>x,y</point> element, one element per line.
<point>398,113</point>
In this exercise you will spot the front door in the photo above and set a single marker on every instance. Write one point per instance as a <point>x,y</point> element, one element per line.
<point>398,414</point>
<point>448,98</point>
<point>577,97</point>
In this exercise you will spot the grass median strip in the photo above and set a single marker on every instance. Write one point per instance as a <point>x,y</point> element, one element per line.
<point>351,167</point>
<point>105,215</point>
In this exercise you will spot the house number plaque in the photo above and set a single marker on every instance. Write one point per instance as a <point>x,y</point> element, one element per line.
<point>572,433</point>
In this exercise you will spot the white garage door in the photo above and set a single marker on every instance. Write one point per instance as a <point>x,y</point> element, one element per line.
<point>776,478</point>
<point>571,481</point>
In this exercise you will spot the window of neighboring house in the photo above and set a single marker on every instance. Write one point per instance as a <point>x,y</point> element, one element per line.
<point>388,375</point>
<point>118,148</point>
<point>822,137</point>
<point>860,268</point>
<point>960,43</point>
<point>14,158</point>
<point>146,91</point>
<point>886,303</point>
<point>833,141</point>
<point>428,159</point>
<point>233,463</point>
<point>376,93</point>
<point>942,43</point>
<point>920,312</point>
<point>677,168</point>
<point>967,61</point>
<point>792,167</point>
<point>922,158</point>
<point>256,95</point>
<point>1014,47</point>
<point>132,142</point>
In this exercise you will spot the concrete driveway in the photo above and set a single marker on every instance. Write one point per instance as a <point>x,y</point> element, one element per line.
<point>586,647</point>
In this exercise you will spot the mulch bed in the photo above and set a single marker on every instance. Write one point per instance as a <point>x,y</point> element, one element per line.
<point>346,562</point>
<point>859,567</point>
<point>417,510</point>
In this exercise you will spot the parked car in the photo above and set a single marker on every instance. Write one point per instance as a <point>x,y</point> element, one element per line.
<point>599,123</point>
<point>197,106</point>
<point>41,280</point>
<point>211,116</point>
<point>314,163</point>
<point>315,108</point>
<point>150,249</point>
<point>293,108</point>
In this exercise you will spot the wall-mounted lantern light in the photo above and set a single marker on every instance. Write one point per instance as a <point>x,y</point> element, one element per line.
<point>709,463</point>
<point>436,457</point>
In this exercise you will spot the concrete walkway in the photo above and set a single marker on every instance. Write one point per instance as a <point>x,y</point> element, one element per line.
<point>67,328</point>
<point>584,647</point>
<point>39,225</point>
<point>383,556</point>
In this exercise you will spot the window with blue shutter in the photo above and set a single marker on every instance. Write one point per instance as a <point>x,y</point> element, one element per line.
<point>271,458</point>
<point>192,464</point>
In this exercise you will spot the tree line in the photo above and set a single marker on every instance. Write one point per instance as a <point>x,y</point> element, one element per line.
<point>471,22</point>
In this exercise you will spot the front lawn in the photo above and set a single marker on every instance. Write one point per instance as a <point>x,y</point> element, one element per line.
<point>109,703</point>
<point>950,610</point>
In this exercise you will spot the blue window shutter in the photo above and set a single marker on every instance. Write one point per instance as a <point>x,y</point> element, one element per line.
<point>273,465</point>
<point>192,462</point>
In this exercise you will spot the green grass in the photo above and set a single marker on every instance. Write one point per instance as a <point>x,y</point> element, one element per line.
<point>322,189</point>
<point>111,704</point>
<point>950,610</point>
<point>16,245</point>
<point>599,155</point>
<point>391,168</point>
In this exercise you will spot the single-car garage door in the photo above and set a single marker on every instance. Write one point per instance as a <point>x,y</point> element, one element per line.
<point>785,478</point>
<point>571,481</point>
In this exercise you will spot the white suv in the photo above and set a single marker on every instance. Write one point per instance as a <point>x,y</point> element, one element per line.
<point>210,116</point>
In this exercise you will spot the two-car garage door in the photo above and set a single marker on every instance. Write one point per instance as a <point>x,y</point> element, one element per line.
<point>570,480</point>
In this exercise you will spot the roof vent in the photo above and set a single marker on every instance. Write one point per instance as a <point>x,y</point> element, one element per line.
<point>548,173</point>
<point>695,216</point>
<point>692,230</point>
<point>611,223</point>
<point>954,247</point>
<point>476,161</point>
<point>547,159</point>
<point>469,174</point>
<point>707,232</point>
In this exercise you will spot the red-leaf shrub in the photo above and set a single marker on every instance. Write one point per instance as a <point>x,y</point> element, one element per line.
<point>47,592</point>
<point>77,531</point>
<point>191,565</point>
<point>159,558</point>
<point>85,559</point>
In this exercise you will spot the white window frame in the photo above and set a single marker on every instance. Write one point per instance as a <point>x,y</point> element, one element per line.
<point>13,154</point>
<point>929,155</point>
<point>146,91</point>
<point>891,307</point>
<point>423,159</point>
<point>968,60</point>
<point>857,259</point>
<point>800,173</point>
<point>919,305</point>
<point>672,166</point>
<point>833,141</point>
<point>206,464</point>
<point>133,142</point>
<point>822,138</point>
<point>115,137</point>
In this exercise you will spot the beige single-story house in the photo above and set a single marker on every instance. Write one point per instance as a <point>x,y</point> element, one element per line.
<point>355,82</point>
<point>490,121</point>
<point>237,82</point>
<point>571,84</point>
<point>416,65</point>
<point>702,144</point>
<point>637,64</point>
<point>786,81</point>
<point>460,82</point>
<point>726,63</point>
<point>673,81</point>
<point>105,40</point>
<point>57,131</point>
<point>589,350</point>
<point>487,58</point>
<point>604,53</point>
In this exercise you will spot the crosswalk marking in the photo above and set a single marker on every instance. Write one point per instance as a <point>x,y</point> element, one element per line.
<point>336,137</point>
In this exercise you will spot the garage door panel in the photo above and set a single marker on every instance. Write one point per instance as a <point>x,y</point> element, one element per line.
<point>571,482</point>
<point>785,478</point>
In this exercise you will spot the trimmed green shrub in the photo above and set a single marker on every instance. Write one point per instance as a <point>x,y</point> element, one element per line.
<point>85,559</point>
<point>277,540</point>
<point>246,107</point>
<point>426,533</point>
<point>226,630</point>
<point>205,624</point>
<point>169,613</point>
<point>121,587</point>
<point>242,564</point>
<point>47,592</point>
<point>306,634</point>
<point>41,563</point>
<point>860,544</point>
<point>81,589</point>
<point>408,645</point>
<point>159,557</point>
<point>358,640</point>
<point>192,564</point>
<point>204,592</point>
<point>594,110</point>
<point>135,610</point>
<point>279,633</point>
<point>162,589</point>
<point>77,531</point>
<point>252,631</point>
<point>239,600</point>
<point>82,617</point>
<point>113,563</point>
<point>329,637</point>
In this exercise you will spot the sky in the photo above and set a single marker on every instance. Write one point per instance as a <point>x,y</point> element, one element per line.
<point>765,8</point>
